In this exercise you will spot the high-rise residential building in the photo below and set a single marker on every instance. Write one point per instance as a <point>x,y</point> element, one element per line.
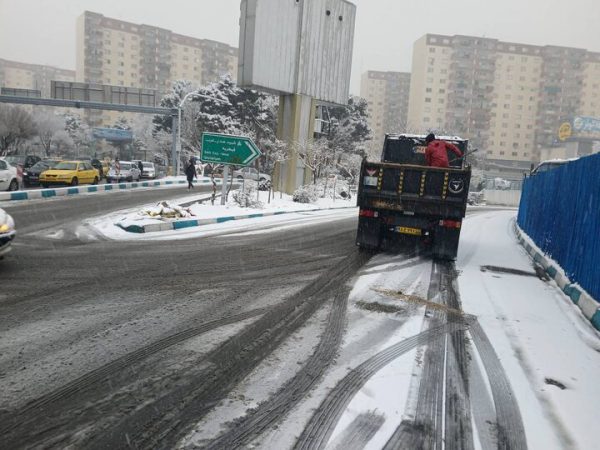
<point>114,52</point>
<point>508,98</point>
<point>387,96</point>
<point>20,75</point>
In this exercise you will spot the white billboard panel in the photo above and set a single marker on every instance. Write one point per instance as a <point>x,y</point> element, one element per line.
<point>297,47</point>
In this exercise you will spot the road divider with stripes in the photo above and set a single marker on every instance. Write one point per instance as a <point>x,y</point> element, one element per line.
<point>586,303</point>
<point>190,223</point>
<point>88,189</point>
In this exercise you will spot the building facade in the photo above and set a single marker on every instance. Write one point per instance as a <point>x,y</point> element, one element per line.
<point>20,75</point>
<point>508,99</point>
<point>114,52</point>
<point>387,95</point>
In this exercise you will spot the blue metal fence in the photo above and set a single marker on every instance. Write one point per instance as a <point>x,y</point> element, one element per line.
<point>560,211</point>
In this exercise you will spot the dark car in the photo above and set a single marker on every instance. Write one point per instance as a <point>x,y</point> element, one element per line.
<point>97,164</point>
<point>23,161</point>
<point>31,176</point>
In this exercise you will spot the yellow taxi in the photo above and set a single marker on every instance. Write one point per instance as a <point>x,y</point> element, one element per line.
<point>70,173</point>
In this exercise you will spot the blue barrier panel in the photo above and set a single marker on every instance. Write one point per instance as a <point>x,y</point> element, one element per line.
<point>92,189</point>
<point>72,191</point>
<point>108,187</point>
<point>19,196</point>
<point>185,224</point>
<point>560,211</point>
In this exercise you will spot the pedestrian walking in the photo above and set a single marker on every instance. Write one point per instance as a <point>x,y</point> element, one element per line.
<point>190,172</point>
<point>141,167</point>
<point>117,168</point>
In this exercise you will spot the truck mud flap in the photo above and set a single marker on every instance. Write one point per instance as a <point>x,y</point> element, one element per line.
<point>368,235</point>
<point>445,243</point>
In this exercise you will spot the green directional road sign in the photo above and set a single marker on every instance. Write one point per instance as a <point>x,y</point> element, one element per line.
<point>226,149</point>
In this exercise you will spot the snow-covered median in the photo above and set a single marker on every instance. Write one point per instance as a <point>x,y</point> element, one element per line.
<point>168,219</point>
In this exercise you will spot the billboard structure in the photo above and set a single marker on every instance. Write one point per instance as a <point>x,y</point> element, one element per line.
<point>302,51</point>
<point>297,47</point>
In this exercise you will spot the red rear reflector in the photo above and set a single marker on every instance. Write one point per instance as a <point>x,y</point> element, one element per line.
<point>450,224</point>
<point>368,213</point>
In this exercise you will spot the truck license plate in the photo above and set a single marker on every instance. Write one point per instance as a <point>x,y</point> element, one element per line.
<point>407,230</point>
<point>370,181</point>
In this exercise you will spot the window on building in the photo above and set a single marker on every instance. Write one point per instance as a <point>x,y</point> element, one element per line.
<point>431,49</point>
<point>426,119</point>
<point>501,152</point>
<point>427,99</point>
<point>442,91</point>
<point>430,70</point>
<point>428,89</point>
<point>441,101</point>
<point>515,154</point>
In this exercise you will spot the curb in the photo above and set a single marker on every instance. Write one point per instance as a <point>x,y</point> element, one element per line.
<point>586,303</point>
<point>67,191</point>
<point>181,224</point>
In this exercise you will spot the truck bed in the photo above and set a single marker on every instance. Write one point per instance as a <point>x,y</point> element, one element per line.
<point>414,189</point>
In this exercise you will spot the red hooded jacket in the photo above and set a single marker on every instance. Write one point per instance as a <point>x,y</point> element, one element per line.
<point>436,154</point>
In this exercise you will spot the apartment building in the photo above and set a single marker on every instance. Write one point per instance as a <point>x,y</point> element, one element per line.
<point>111,51</point>
<point>387,95</point>
<point>508,98</point>
<point>20,75</point>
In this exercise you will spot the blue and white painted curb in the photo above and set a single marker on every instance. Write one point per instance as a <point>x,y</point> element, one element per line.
<point>181,224</point>
<point>586,303</point>
<point>67,191</point>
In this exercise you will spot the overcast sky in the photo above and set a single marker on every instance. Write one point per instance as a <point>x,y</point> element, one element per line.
<point>43,31</point>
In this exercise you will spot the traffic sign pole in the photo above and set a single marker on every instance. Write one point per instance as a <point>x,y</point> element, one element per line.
<point>224,187</point>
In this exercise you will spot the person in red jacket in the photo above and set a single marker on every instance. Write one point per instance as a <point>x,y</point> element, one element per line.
<point>436,154</point>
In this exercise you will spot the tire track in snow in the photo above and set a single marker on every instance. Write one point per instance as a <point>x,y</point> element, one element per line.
<point>292,392</point>
<point>509,424</point>
<point>160,423</point>
<point>361,430</point>
<point>320,427</point>
<point>289,395</point>
<point>37,410</point>
<point>442,415</point>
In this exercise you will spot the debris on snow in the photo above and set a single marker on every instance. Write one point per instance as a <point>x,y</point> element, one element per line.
<point>166,210</point>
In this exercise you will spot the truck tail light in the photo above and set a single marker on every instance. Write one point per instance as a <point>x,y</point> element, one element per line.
<point>450,224</point>
<point>368,213</point>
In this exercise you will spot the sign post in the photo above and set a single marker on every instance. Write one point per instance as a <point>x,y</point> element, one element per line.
<point>224,185</point>
<point>228,150</point>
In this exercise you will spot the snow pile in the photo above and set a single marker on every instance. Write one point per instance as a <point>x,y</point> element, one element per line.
<point>166,210</point>
<point>247,197</point>
<point>306,194</point>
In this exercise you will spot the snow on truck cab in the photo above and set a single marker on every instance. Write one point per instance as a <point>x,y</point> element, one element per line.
<point>402,200</point>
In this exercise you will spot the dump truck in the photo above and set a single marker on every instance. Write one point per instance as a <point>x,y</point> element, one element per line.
<point>405,203</point>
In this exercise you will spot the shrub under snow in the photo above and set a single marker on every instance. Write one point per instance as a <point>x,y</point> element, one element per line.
<point>247,198</point>
<point>306,194</point>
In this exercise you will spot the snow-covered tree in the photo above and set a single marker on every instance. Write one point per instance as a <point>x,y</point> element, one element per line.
<point>16,126</point>
<point>79,132</point>
<point>47,125</point>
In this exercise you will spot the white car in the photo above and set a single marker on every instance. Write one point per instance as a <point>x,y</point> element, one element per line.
<point>7,232</point>
<point>250,173</point>
<point>127,171</point>
<point>9,180</point>
<point>149,170</point>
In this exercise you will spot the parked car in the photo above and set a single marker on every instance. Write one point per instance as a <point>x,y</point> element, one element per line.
<point>250,173</point>
<point>70,173</point>
<point>7,232</point>
<point>9,180</point>
<point>31,176</point>
<point>149,170</point>
<point>128,172</point>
